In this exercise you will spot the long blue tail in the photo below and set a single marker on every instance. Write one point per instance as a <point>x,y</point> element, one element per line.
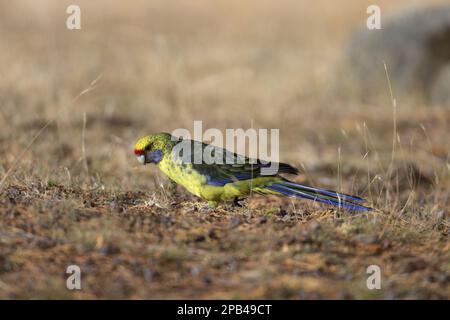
<point>346,201</point>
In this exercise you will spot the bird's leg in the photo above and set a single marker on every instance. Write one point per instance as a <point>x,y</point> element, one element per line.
<point>212,205</point>
<point>236,202</point>
<point>172,188</point>
<point>234,205</point>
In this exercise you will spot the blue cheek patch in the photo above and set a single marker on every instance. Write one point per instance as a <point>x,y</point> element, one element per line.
<point>155,156</point>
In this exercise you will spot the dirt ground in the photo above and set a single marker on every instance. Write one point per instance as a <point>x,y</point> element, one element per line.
<point>77,195</point>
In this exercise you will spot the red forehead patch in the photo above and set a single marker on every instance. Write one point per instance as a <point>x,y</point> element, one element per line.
<point>138,152</point>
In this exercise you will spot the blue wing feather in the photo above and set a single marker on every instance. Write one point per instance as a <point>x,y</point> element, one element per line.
<point>317,197</point>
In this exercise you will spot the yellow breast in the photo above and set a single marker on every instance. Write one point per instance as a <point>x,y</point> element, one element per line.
<point>195,183</point>
<point>184,175</point>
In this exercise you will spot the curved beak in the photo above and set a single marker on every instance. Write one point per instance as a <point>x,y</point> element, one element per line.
<point>149,157</point>
<point>141,159</point>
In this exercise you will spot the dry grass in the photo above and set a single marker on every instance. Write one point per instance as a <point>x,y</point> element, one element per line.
<point>78,195</point>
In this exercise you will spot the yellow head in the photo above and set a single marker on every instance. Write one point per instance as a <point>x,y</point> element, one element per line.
<point>152,148</point>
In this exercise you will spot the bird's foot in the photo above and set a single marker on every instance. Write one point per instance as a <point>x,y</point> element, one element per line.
<point>239,202</point>
<point>212,205</point>
<point>172,189</point>
<point>236,204</point>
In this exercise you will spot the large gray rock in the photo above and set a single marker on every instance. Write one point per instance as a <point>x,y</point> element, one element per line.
<point>415,45</point>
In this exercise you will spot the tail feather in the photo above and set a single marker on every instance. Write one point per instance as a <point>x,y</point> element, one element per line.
<point>320,195</point>
<point>322,191</point>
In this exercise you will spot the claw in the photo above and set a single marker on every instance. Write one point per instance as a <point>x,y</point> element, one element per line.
<point>236,202</point>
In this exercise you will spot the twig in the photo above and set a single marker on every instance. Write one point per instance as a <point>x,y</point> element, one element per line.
<point>16,164</point>
<point>22,154</point>
<point>83,145</point>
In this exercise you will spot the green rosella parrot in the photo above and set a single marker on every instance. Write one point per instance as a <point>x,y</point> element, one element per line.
<point>217,182</point>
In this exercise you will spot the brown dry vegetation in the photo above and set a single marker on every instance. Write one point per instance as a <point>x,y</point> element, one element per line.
<point>231,64</point>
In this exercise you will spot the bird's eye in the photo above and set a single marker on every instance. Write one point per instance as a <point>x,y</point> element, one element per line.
<point>148,147</point>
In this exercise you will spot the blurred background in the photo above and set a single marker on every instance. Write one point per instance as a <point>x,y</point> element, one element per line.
<point>308,68</point>
<point>162,65</point>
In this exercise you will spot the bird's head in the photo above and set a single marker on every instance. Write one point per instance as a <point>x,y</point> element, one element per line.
<point>152,148</point>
